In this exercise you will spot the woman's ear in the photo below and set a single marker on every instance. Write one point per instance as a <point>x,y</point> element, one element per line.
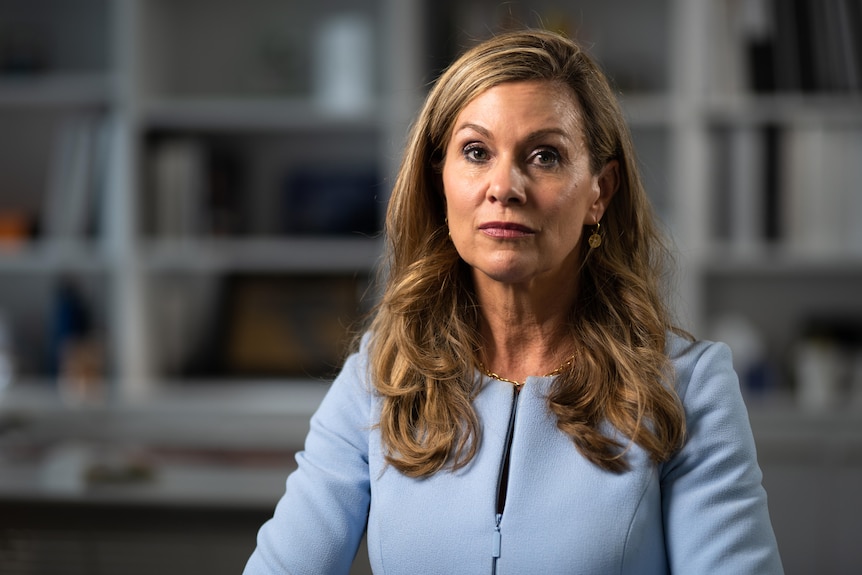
<point>608,181</point>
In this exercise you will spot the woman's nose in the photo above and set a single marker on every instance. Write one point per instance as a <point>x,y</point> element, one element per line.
<point>507,183</point>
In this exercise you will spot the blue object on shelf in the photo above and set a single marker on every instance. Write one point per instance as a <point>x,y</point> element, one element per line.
<point>332,202</point>
<point>70,320</point>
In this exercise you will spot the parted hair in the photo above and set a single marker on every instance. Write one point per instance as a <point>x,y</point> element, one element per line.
<point>424,339</point>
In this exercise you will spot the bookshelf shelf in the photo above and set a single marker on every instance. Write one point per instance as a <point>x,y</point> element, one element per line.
<point>647,110</point>
<point>57,89</point>
<point>283,255</point>
<point>179,408</point>
<point>785,109</point>
<point>55,256</point>
<point>252,114</point>
<point>778,262</point>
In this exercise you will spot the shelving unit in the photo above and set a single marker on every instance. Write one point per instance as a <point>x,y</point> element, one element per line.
<point>214,86</point>
<point>220,91</point>
<point>777,271</point>
<point>207,92</point>
<point>231,92</point>
<point>52,69</point>
<point>783,130</point>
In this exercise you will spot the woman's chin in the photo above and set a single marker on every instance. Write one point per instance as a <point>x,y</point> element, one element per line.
<point>509,274</point>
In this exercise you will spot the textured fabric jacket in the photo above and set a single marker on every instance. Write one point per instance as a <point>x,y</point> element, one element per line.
<point>702,512</point>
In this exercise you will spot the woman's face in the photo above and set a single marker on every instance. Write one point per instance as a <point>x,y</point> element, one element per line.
<point>518,185</point>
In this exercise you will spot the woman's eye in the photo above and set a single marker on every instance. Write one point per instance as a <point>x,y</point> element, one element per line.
<point>475,153</point>
<point>546,157</point>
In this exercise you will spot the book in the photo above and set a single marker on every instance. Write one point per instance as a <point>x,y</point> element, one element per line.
<point>850,230</point>
<point>747,193</point>
<point>178,174</point>
<point>817,45</point>
<point>821,171</point>
<point>727,39</point>
<point>788,61</point>
<point>75,177</point>
<point>756,29</point>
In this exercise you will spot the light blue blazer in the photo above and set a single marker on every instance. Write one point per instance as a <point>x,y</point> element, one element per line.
<point>702,512</point>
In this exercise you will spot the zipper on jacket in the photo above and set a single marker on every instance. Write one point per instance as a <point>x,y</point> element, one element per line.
<point>503,478</point>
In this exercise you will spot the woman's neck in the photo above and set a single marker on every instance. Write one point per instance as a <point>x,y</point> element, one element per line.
<point>525,331</point>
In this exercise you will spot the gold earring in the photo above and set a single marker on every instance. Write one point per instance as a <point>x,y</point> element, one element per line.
<point>595,239</point>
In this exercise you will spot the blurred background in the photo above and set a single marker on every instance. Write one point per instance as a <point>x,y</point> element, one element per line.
<point>191,193</point>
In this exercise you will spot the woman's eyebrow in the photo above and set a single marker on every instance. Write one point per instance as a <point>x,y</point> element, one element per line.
<point>475,127</point>
<point>537,135</point>
<point>545,132</point>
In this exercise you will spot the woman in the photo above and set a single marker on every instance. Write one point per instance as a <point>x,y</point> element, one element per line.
<point>521,402</point>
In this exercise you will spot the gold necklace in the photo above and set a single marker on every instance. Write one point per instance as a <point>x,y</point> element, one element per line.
<point>563,366</point>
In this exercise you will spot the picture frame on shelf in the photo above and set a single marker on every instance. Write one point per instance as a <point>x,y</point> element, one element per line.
<point>278,325</point>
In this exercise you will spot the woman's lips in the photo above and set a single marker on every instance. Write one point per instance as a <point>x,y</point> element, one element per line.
<point>506,230</point>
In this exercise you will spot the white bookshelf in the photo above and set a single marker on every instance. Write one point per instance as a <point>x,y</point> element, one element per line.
<point>238,78</point>
<point>241,79</point>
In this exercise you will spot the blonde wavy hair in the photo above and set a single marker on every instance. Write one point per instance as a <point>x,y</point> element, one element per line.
<point>424,333</point>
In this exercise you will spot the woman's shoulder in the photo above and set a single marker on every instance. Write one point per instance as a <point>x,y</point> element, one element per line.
<point>682,346</point>
<point>352,381</point>
<point>355,367</point>
<point>700,363</point>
